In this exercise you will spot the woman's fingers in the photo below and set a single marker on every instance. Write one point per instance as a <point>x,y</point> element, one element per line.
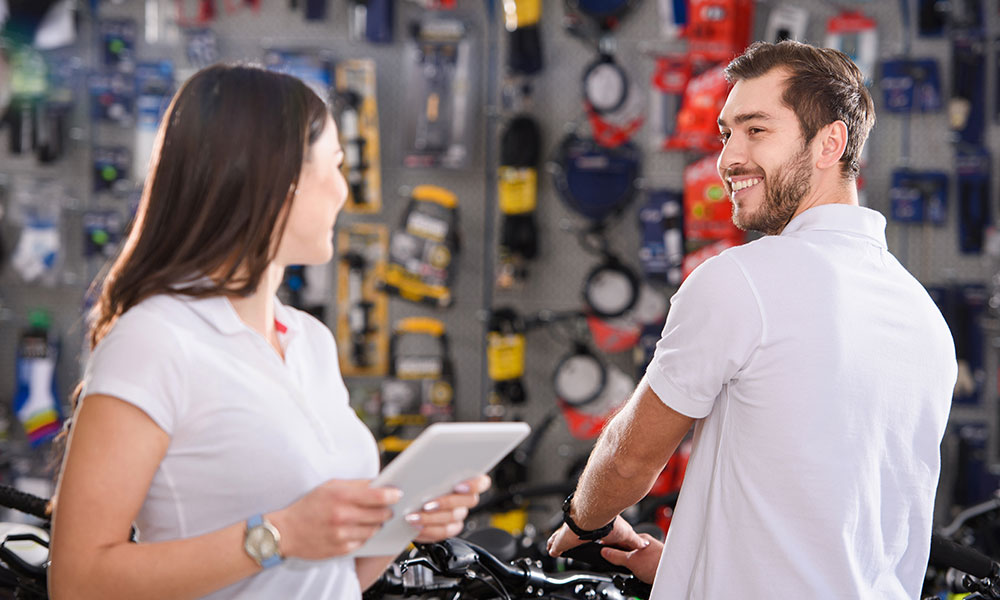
<point>438,517</point>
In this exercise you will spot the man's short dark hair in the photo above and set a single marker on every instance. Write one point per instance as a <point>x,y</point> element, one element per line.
<point>823,86</point>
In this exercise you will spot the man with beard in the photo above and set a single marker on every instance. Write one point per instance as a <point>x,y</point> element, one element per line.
<point>816,370</point>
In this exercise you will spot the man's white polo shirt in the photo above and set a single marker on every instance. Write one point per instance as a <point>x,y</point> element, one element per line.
<point>822,373</point>
<point>249,433</point>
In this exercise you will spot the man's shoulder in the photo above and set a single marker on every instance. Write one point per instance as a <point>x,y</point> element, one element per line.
<point>747,256</point>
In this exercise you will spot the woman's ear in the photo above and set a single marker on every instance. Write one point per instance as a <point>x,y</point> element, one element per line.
<point>832,144</point>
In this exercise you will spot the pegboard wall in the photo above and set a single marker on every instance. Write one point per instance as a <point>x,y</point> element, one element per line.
<point>930,252</point>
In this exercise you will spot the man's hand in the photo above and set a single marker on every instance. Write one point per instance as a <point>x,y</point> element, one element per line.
<point>642,562</point>
<point>621,536</point>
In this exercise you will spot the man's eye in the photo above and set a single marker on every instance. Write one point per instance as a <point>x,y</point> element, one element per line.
<point>754,130</point>
<point>723,137</point>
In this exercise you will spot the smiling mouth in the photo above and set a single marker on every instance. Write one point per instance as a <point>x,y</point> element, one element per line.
<point>738,186</point>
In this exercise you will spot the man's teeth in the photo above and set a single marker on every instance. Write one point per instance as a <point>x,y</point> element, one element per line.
<point>742,185</point>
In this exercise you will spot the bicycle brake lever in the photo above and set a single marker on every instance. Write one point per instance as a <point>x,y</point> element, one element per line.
<point>422,561</point>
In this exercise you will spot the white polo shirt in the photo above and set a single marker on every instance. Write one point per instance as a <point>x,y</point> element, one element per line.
<point>822,375</point>
<point>248,433</point>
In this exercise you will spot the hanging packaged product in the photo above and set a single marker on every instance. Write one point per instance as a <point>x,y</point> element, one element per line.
<point>786,22</point>
<point>201,47</point>
<point>670,80</point>
<point>517,179</point>
<point>39,96</point>
<point>112,98</point>
<point>661,222</point>
<point>967,105</point>
<point>673,18</point>
<point>605,15</point>
<point>643,352</point>
<point>911,85</point>
<point>37,208</point>
<point>593,180</point>
<point>43,24</point>
<point>505,350</point>
<point>524,42</point>
<point>614,106</point>
<point>718,30</point>
<point>314,67</point>
<point>36,403</point>
<point>362,311</point>
<point>118,44</point>
<point>615,334</point>
<point>611,288</point>
<point>435,4</point>
<point>966,16</point>
<point>422,253</point>
<point>708,223</point>
<point>420,389</point>
<point>307,288</point>
<point>856,35</point>
<point>438,129</point>
<point>102,230</point>
<point>932,17</point>
<point>697,121</point>
<point>588,392</point>
<point>359,134</point>
<point>919,196</point>
<point>111,169</point>
<point>372,21</point>
<point>154,84</point>
<point>972,167</point>
<point>975,481</point>
<point>707,210</point>
<point>963,308</point>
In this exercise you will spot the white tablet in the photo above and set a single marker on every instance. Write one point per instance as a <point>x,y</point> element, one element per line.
<point>442,456</point>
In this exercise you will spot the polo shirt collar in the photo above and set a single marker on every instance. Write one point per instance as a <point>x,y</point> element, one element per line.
<point>845,218</point>
<point>218,312</point>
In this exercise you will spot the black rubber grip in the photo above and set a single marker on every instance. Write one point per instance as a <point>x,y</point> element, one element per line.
<point>590,553</point>
<point>946,553</point>
<point>24,502</point>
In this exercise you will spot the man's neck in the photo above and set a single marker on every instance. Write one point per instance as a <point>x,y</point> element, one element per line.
<point>840,192</point>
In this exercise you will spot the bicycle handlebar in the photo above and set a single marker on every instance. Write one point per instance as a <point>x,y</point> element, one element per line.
<point>458,560</point>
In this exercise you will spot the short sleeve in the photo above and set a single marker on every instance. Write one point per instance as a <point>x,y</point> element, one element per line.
<point>140,361</point>
<point>713,327</point>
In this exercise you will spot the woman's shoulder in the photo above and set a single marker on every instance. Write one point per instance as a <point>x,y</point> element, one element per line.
<point>158,316</point>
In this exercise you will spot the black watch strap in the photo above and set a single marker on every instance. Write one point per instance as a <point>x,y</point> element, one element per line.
<point>584,534</point>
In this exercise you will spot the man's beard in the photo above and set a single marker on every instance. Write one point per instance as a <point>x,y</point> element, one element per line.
<point>782,194</point>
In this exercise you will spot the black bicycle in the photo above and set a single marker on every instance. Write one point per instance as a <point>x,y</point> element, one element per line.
<point>460,569</point>
<point>23,575</point>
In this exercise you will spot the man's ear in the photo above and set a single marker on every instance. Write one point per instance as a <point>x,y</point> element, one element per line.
<point>832,141</point>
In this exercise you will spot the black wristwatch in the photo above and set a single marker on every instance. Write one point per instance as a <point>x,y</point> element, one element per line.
<point>584,534</point>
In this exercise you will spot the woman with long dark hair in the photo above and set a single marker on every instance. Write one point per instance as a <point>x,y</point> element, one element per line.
<point>212,417</point>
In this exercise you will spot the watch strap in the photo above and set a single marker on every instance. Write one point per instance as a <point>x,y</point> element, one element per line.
<point>584,534</point>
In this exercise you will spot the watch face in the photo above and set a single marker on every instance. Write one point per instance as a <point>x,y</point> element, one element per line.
<point>261,542</point>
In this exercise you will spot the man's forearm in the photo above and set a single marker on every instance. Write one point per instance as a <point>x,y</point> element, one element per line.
<point>628,457</point>
<point>610,483</point>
